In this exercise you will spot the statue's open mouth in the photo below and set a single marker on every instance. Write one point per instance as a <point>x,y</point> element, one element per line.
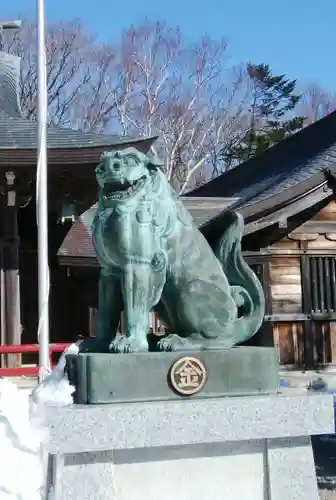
<point>116,190</point>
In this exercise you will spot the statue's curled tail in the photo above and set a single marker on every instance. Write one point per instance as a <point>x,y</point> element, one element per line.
<point>246,289</point>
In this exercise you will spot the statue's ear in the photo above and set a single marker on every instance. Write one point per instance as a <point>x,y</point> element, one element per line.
<point>154,163</point>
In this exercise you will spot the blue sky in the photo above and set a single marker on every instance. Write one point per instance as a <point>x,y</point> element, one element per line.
<point>296,37</point>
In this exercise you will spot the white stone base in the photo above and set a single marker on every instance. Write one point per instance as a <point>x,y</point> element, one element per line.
<point>249,448</point>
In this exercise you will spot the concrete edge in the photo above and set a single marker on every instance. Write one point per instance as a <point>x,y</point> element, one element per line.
<point>77,429</point>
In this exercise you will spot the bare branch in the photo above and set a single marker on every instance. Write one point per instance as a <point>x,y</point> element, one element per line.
<point>164,85</point>
<point>152,82</point>
<point>316,103</point>
<point>76,68</point>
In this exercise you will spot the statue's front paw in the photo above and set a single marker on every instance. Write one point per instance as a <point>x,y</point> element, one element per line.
<point>128,345</point>
<point>173,342</point>
<point>164,345</point>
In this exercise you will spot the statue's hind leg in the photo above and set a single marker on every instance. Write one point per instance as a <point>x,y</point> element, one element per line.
<point>206,318</point>
<point>166,310</point>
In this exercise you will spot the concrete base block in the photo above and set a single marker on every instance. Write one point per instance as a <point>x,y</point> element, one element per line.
<point>291,469</point>
<point>246,448</point>
<point>121,378</point>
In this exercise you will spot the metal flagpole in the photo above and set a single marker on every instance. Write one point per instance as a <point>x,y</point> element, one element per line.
<point>42,195</point>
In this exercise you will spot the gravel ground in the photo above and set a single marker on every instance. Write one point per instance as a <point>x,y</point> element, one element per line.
<point>327,495</point>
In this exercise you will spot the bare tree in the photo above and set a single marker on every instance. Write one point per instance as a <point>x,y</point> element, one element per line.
<point>233,120</point>
<point>151,81</point>
<point>181,91</point>
<point>76,67</point>
<point>316,103</point>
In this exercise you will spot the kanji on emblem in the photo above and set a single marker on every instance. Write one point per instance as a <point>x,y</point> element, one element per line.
<point>188,375</point>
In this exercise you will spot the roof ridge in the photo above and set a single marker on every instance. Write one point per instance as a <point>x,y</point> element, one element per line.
<point>302,142</point>
<point>94,134</point>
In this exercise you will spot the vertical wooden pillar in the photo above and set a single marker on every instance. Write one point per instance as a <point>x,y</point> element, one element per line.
<point>264,337</point>
<point>2,283</point>
<point>92,321</point>
<point>308,333</point>
<point>2,307</point>
<point>10,265</point>
<point>266,330</point>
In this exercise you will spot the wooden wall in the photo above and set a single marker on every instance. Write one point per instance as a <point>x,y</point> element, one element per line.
<point>286,297</point>
<point>302,281</point>
<point>285,282</point>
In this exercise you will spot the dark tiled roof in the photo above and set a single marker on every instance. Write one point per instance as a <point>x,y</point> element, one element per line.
<point>17,132</point>
<point>21,133</point>
<point>281,167</point>
<point>78,242</point>
<point>205,209</point>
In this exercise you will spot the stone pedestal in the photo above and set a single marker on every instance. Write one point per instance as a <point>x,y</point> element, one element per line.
<point>124,378</point>
<point>246,448</point>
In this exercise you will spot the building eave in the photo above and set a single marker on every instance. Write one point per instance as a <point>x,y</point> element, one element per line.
<point>88,154</point>
<point>268,211</point>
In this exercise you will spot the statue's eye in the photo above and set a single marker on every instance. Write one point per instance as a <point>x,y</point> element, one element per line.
<point>130,161</point>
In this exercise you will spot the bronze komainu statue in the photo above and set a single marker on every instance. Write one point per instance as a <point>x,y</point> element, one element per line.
<point>153,257</point>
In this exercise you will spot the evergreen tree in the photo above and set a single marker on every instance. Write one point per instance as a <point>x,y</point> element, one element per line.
<point>273,98</point>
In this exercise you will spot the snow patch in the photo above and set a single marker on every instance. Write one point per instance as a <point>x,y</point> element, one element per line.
<point>24,432</point>
<point>23,445</point>
<point>55,389</point>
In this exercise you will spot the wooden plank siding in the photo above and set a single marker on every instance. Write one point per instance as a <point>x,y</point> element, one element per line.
<point>289,341</point>
<point>286,296</point>
<point>303,290</point>
<point>286,290</point>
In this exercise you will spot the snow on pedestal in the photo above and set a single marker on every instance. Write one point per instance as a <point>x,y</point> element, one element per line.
<point>24,434</point>
<point>55,389</point>
<point>23,445</point>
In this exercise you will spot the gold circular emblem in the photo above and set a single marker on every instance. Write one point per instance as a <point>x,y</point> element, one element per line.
<point>188,375</point>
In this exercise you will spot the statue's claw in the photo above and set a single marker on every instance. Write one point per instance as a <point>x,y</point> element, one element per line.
<point>127,345</point>
<point>164,345</point>
<point>174,342</point>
